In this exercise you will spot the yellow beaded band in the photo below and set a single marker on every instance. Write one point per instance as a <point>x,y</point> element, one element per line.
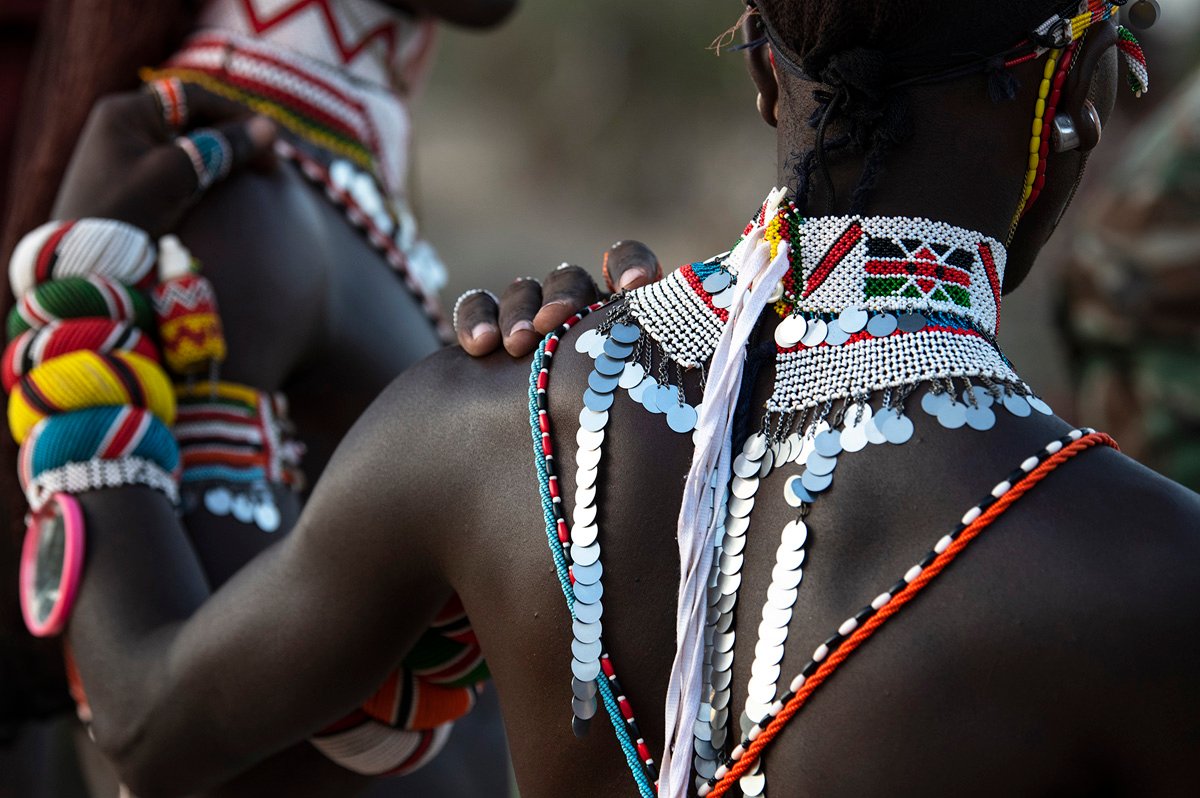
<point>305,129</point>
<point>231,391</point>
<point>83,379</point>
<point>1035,143</point>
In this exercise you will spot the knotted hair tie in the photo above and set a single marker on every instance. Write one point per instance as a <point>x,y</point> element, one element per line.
<point>875,113</point>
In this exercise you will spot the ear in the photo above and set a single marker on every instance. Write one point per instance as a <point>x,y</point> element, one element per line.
<point>1092,80</point>
<point>762,71</point>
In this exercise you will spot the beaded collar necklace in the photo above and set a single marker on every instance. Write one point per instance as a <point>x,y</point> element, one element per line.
<point>317,101</point>
<point>363,38</point>
<point>347,135</point>
<point>872,311</point>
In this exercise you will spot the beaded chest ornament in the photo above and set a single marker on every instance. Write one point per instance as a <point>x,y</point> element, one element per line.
<point>872,310</point>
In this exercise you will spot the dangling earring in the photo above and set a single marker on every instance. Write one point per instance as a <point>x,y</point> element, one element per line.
<point>1135,59</point>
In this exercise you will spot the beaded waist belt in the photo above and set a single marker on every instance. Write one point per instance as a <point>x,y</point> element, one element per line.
<point>234,433</point>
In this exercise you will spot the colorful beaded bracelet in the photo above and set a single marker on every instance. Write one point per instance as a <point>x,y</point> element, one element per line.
<point>86,379</point>
<point>33,347</point>
<point>80,248</point>
<point>79,297</point>
<point>96,432</point>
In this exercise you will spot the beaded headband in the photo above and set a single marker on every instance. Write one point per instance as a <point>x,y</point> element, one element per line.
<point>1056,32</point>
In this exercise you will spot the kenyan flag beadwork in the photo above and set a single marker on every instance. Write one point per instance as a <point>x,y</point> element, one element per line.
<point>915,269</point>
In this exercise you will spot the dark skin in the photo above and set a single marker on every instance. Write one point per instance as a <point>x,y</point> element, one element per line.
<point>1045,661</point>
<point>351,325</point>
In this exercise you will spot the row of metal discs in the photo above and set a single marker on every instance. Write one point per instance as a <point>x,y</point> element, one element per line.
<point>611,372</point>
<point>755,462</point>
<point>975,407</point>
<point>795,330</point>
<point>586,628</point>
<point>256,506</point>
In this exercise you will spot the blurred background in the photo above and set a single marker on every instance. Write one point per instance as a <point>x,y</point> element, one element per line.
<point>580,123</point>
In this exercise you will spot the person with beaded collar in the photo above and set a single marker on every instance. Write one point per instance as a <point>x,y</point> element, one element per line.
<point>831,394</point>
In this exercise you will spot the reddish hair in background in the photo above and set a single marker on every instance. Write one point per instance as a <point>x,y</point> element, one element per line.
<point>83,50</point>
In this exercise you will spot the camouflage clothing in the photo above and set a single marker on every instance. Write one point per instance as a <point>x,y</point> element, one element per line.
<point>1132,295</point>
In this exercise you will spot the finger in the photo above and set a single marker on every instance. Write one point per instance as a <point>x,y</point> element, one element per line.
<point>215,153</point>
<point>630,264</point>
<point>167,180</point>
<point>175,106</point>
<point>477,322</point>
<point>518,305</point>
<point>566,291</point>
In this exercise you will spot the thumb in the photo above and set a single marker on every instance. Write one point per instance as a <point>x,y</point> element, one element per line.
<point>248,139</point>
<point>211,154</point>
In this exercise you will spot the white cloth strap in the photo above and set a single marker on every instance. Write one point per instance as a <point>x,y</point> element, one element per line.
<point>757,276</point>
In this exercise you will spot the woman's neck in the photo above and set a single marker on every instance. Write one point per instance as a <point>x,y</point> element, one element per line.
<point>963,163</point>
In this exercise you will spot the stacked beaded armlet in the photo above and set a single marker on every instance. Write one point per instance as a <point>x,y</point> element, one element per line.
<point>88,401</point>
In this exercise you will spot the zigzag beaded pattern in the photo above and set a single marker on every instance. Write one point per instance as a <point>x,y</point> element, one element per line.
<point>616,704</point>
<point>302,95</point>
<point>857,629</point>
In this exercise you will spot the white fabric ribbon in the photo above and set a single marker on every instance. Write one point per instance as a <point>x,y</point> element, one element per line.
<point>757,276</point>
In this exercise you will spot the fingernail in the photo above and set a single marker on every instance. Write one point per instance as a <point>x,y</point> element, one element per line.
<point>481,329</point>
<point>261,131</point>
<point>632,276</point>
<point>522,326</point>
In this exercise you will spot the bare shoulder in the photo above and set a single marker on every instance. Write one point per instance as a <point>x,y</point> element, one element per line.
<point>1104,600</point>
<point>450,386</point>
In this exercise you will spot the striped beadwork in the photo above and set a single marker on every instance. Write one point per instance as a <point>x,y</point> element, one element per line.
<point>86,379</point>
<point>371,748</point>
<point>79,297</point>
<point>234,433</point>
<point>78,248</point>
<point>97,432</point>
<point>33,347</point>
<point>1135,60</point>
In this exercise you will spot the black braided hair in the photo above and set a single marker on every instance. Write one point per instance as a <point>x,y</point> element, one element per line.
<point>859,50</point>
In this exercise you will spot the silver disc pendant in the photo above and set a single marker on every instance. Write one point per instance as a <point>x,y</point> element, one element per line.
<point>853,320</point>
<point>266,515</point>
<point>218,501</point>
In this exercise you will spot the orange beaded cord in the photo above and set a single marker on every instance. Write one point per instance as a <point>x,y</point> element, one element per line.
<point>863,633</point>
